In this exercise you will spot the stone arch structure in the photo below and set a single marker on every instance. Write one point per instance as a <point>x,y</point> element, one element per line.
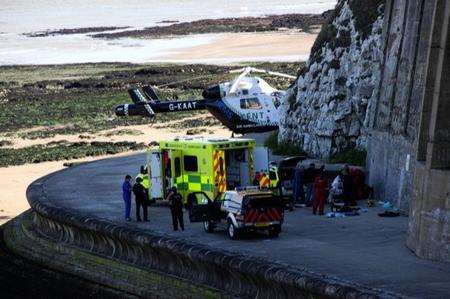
<point>429,229</point>
<point>409,143</point>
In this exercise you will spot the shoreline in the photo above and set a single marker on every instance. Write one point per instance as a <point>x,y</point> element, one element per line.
<point>213,37</point>
<point>213,48</point>
<point>303,22</point>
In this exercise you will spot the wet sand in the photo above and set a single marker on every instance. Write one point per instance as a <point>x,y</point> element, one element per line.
<point>238,47</point>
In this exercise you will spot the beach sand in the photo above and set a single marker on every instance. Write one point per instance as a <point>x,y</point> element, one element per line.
<point>237,47</point>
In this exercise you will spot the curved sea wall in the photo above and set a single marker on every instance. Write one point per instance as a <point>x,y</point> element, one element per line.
<point>143,263</point>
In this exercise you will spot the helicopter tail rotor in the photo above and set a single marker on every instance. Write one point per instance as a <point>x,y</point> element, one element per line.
<point>138,99</point>
<point>151,93</point>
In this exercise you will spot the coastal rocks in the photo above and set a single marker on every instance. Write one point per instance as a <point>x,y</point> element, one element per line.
<point>327,110</point>
<point>67,31</point>
<point>304,22</point>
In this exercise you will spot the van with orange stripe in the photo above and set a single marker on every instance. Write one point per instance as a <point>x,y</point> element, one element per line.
<point>240,211</point>
<point>201,164</point>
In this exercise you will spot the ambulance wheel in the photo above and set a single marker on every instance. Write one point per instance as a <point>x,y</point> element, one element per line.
<point>232,231</point>
<point>208,226</point>
<point>274,231</point>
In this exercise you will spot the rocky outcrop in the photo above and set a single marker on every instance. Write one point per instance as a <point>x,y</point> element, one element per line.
<point>328,108</point>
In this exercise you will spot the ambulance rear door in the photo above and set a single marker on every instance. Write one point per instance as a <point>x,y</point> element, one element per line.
<point>176,171</point>
<point>261,159</point>
<point>156,175</point>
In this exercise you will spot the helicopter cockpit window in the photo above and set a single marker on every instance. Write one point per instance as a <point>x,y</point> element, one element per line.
<point>276,97</point>
<point>250,103</point>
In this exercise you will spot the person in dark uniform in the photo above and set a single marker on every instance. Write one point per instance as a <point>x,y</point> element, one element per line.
<point>297,185</point>
<point>309,177</point>
<point>348,192</point>
<point>176,208</point>
<point>256,179</point>
<point>140,196</point>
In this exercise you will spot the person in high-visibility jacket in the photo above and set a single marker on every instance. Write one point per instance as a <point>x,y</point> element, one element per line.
<point>146,183</point>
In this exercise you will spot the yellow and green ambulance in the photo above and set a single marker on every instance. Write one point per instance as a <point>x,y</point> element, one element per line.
<point>210,165</point>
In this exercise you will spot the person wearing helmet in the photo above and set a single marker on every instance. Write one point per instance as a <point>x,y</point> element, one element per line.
<point>140,196</point>
<point>176,208</point>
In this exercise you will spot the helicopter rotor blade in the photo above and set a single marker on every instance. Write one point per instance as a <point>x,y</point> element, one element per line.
<point>236,82</point>
<point>273,73</point>
<point>237,70</point>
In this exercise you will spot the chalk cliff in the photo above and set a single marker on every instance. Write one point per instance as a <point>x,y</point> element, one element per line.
<point>328,108</point>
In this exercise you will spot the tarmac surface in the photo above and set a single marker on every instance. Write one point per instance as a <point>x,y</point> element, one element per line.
<point>365,249</point>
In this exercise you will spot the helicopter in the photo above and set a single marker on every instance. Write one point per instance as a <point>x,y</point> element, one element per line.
<point>244,105</point>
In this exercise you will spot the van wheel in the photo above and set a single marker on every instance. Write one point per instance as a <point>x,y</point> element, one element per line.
<point>274,231</point>
<point>208,226</point>
<point>232,231</point>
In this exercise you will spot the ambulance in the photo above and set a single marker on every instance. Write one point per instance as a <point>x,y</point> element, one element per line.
<point>204,164</point>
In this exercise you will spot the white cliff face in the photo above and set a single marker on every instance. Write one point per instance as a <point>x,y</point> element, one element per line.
<point>328,108</point>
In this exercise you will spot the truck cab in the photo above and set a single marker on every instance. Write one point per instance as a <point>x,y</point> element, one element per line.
<point>239,211</point>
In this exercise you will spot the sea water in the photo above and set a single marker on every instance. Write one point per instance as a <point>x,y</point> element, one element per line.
<point>24,16</point>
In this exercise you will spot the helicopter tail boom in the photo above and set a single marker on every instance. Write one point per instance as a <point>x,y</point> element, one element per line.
<point>141,108</point>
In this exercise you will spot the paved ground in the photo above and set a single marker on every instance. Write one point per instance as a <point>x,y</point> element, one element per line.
<point>365,249</point>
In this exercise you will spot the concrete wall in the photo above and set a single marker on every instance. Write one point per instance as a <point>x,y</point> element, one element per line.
<point>409,143</point>
<point>429,228</point>
<point>392,142</point>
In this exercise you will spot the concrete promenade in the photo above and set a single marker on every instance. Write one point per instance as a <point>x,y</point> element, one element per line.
<point>365,249</point>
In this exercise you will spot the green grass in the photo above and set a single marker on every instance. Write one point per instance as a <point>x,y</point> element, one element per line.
<point>191,123</point>
<point>351,157</point>
<point>57,151</point>
<point>5,143</point>
<point>80,105</point>
<point>128,132</point>
<point>78,114</point>
<point>31,73</point>
<point>284,148</point>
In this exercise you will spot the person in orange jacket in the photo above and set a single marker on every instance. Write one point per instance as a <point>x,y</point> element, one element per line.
<point>320,193</point>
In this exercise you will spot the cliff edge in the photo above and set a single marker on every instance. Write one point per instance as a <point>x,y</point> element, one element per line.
<point>328,108</point>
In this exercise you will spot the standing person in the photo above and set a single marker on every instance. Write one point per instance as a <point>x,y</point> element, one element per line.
<point>256,179</point>
<point>347,183</point>
<point>126,194</point>
<point>298,191</point>
<point>143,174</point>
<point>140,198</point>
<point>320,193</point>
<point>310,176</point>
<point>176,208</point>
